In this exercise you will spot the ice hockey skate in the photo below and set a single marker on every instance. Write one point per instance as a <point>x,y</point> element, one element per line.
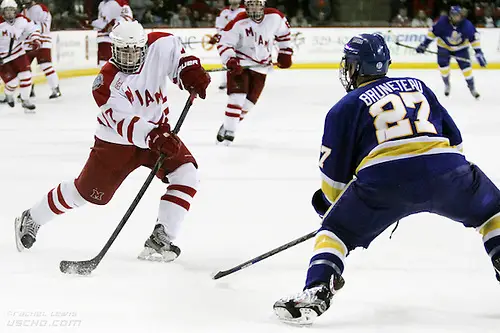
<point>304,307</point>
<point>496,265</point>
<point>224,136</point>
<point>9,99</point>
<point>447,89</point>
<point>25,231</point>
<point>159,247</point>
<point>474,93</point>
<point>56,93</point>
<point>28,107</point>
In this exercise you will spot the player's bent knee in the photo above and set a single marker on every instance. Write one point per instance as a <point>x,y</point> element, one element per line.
<point>186,175</point>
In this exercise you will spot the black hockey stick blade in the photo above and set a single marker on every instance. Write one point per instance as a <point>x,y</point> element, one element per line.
<point>221,274</point>
<point>85,267</point>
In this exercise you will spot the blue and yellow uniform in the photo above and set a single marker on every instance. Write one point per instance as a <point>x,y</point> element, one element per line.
<point>389,150</point>
<point>455,35</point>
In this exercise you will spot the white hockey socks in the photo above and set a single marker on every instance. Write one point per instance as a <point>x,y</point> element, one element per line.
<point>175,203</point>
<point>58,201</point>
<point>25,83</point>
<point>50,74</point>
<point>233,111</point>
<point>247,107</point>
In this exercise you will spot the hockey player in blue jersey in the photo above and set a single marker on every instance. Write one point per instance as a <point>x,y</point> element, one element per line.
<point>455,35</point>
<point>389,150</point>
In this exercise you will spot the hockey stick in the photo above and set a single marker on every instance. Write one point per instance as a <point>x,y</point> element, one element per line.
<point>86,267</point>
<point>220,274</point>
<point>433,52</point>
<point>223,69</point>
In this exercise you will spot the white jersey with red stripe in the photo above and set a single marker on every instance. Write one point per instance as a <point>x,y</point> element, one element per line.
<point>12,36</point>
<point>252,42</point>
<point>110,13</point>
<point>40,15</point>
<point>227,15</point>
<point>132,105</point>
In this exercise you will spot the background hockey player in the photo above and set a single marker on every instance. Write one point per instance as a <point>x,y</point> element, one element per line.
<point>110,13</point>
<point>404,149</point>
<point>40,15</point>
<point>15,70</point>
<point>455,35</point>
<point>248,40</point>
<point>131,92</point>
<point>226,15</point>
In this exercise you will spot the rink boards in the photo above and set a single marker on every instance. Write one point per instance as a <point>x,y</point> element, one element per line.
<point>75,52</point>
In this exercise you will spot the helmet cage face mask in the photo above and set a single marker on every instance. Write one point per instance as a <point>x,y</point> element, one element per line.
<point>255,9</point>
<point>348,73</point>
<point>129,59</point>
<point>9,14</point>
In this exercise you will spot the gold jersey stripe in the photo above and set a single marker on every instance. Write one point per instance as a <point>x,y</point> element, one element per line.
<point>408,148</point>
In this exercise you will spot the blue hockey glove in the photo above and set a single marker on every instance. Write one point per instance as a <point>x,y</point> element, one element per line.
<point>320,203</point>
<point>421,48</point>
<point>480,58</point>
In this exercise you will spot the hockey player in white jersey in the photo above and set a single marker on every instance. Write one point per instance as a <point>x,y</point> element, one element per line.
<point>15,70</point>
<point>40,15</point>
<point>132,131</point>
<point>110,13</point>
<point>225,16</point>
<point>248,40</point>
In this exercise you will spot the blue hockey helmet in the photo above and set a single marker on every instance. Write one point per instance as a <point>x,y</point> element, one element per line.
<point>456,14</point>
<point>365,55</point>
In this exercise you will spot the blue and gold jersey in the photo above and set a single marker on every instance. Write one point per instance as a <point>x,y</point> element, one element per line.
<point>387,120</point>
<point>452,37</point>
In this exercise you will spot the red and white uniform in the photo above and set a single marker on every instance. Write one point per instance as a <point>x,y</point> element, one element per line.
<point>226,16</point>
<point>110,13</point>
<point>22,30</point>
<point>40,15</point>
<point>16,67</point>
<point>131,106</point>
<point>253,42</point>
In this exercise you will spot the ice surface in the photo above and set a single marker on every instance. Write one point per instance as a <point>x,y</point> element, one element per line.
<point>433,276</point>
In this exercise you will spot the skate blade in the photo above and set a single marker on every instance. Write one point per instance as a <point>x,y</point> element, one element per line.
<point>17,230</point>
<point>152,255</point>
<point>225,143</point>
<point>307,316</point>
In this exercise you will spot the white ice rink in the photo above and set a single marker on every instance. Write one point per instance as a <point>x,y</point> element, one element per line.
<point>433,276</point>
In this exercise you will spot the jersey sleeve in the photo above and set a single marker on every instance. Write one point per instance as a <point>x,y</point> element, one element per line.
<point>230,37</point>
<point>336,153</point>
<point>449,128</point>
<point>283,36</point>
<point>473,36</point>
<point>126,13</point>
<point>31,31</point>
<point>220,22</point>
<point>172,46</point>
<point>117,111</point>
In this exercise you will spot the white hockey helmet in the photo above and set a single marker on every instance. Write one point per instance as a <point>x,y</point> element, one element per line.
<point>8,8</point>
<point>129,46</point>
<point>255,9</point>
